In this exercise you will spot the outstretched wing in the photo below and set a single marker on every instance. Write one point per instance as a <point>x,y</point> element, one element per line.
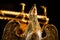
<point>51,32</point>
<point>9,33</point>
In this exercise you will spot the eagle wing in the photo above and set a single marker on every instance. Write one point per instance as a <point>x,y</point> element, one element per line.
<point>51,32</point>
<point>9,33</point>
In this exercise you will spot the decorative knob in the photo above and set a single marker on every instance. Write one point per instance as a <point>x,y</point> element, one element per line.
<point>23,6</point>
<point>44,10</point>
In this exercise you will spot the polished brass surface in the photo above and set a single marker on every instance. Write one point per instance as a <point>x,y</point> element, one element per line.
<point>29,26</point>
<point>3,12</point>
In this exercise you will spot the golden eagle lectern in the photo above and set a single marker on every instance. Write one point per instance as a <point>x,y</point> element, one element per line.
<point>28,27</point>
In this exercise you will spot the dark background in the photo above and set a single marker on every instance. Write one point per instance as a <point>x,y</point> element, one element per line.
<point>12,5</point>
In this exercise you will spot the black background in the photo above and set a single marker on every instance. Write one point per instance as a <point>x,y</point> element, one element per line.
<point>12,5</point>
